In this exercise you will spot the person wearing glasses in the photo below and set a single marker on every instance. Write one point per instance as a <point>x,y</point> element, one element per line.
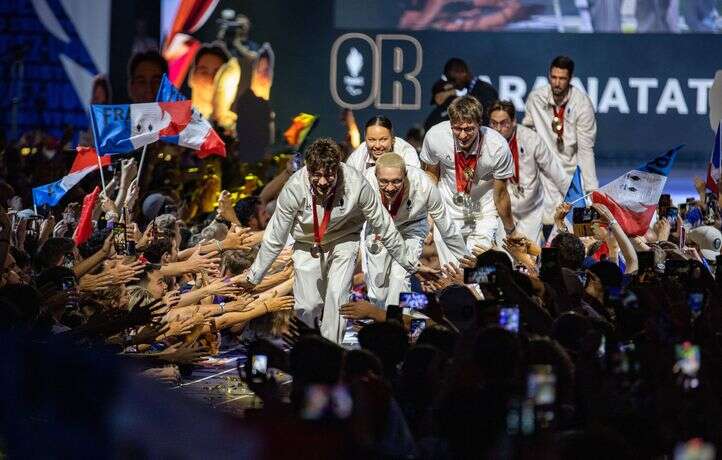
<point>471,164</point>
<point>531,159</point>
<point>564,118</point>
<point>324,206</point>
<point>409,196</point>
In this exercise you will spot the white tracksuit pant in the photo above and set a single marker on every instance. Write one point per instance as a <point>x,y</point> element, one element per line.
<point>385,278</point>
<point>323,284</point>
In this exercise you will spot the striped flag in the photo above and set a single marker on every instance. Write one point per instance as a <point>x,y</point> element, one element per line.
<point>86,161</point>
<point>632,197</point>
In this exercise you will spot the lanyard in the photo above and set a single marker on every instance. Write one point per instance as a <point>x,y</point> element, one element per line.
<point>514,147</point>
<point>320,230</point>
<point>465,166</point>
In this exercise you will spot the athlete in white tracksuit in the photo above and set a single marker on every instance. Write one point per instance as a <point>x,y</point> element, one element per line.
<point>532,160</point>
<point>573,140</point>
<point>420,198</point>
<point>361,160</point>
<point>489,197</point>
<point>322,284</point>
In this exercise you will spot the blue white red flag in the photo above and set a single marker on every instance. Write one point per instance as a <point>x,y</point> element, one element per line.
<point>124,128</point>
<point>633,197</point>
<point>86,161</point>
<point>167,92</point>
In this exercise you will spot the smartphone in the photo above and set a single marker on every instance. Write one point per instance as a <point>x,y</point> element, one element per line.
<point>485,274</point>
<point>671,215</point>
<point>417,327</point>
<point>119,237</point>
<point>583,278</point>
<point>259,367</point>
<point>645,260</point>
<point>665,201</point>
<point>541,385</point>
<point>393,312</point>
<point>68,283</point>
<point>582,219</point>
<point>682,210</point>
<point>413,300</point>
<point>688,359</point>
<point>509,318</point>
<point>695,300</point>
<point>549,263</point>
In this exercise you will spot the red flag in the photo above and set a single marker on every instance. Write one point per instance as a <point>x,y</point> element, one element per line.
<point>85,223</point>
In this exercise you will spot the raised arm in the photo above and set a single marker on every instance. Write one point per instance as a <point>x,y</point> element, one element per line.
<point>274,238</point>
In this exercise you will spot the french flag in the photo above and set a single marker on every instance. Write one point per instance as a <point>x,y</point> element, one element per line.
<point>633,197</point>
<point>124,128</point>
<point>713,168</point>
<point>86,161</point>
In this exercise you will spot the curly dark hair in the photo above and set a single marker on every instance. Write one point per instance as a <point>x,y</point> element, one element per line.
<point>323,153</point>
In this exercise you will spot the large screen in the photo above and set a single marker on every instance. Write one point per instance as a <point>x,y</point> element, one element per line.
<point>580,16</point>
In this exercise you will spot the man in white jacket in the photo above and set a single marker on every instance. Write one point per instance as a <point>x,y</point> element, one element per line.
<point>564,118</point>
<point>409,196</point>
<point>531,156</point>
<point>472,164</point>
<point>323,206</point>
<point>379,139</point>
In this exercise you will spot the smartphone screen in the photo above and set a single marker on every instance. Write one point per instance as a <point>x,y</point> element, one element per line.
<point>541,385</point>
<point>259,367</point>
<point>509,318</point>
<point>695,301</point>
<point>485,274</point>
<point>393,312</point>
<point>413,300</point>
<point>672,214</point>
<point>582,219</point>
<point>119,237</point>
<point>688,359</point>
<point>417,327</point>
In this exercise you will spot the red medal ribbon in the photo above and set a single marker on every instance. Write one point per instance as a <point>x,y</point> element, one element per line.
<point>559,113</point>
<point>462,163</point>
<point>320,230</point>
<point>396,205</point>
<point>515,156</point>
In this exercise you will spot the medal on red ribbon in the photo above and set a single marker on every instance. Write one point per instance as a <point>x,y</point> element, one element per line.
<point>465,169</point>
<point>320,230</point>
<point>393,209</point>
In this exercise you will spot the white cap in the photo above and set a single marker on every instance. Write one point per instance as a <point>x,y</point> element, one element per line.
<point>709,240</point>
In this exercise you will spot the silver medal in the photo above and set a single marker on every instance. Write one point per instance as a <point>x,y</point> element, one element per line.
<point>460,198</point>
<point>316,251</point>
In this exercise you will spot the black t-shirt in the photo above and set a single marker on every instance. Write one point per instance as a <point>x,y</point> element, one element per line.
<point>483,91</point>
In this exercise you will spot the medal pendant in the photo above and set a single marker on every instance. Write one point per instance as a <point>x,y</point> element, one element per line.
<point>520,190</point>
<point>374,248</point>
<point>468,173</point>
<point>459,198</point>
<point>316,251</point>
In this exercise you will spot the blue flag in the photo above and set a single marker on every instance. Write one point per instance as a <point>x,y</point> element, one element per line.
<point>167,92</point>
<point>576,191</point>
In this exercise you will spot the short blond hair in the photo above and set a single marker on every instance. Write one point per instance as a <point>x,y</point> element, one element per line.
<point>391,160</point>
<point>466,109</point>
